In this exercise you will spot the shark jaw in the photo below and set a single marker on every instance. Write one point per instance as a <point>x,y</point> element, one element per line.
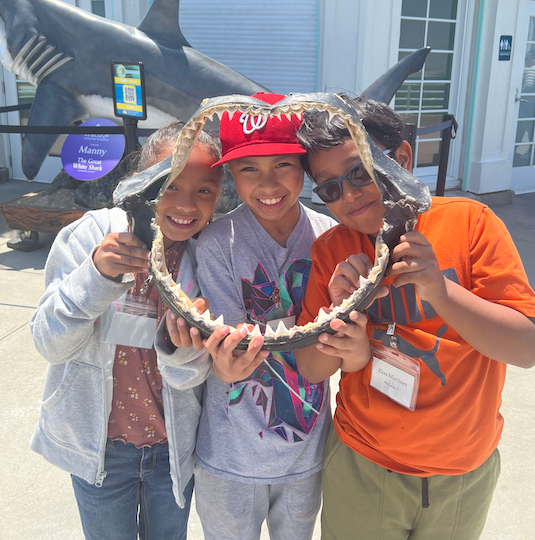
<point>403,196</point>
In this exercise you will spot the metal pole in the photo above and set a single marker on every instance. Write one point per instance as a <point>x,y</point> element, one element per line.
<point>444,155</point>
<point>132,143</point>
<point>410,135</point>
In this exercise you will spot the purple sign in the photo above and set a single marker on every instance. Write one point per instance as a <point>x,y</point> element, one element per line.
<point>88,157</point>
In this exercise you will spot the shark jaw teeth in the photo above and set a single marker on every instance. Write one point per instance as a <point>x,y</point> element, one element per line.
<point>183,306</point>
<point>281,338</point>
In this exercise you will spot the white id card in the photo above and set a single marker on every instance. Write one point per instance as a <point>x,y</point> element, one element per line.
<point>130,321</point>
<point>395,375</point>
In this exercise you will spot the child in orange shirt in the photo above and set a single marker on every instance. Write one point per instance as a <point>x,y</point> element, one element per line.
<point>458,309</point>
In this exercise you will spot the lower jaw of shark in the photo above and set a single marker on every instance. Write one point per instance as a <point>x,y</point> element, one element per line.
<point>403,197</point>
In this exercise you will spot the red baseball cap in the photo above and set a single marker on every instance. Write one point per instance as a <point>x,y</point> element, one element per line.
<point>247,136</point>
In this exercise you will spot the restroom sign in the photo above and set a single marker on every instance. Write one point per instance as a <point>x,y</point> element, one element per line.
<point>506,44</point>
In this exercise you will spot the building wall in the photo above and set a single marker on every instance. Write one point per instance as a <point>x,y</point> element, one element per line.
<point>359,41</point>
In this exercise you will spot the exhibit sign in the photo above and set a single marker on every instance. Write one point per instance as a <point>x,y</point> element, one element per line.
<point>128,81</point>
<point>88,157</point>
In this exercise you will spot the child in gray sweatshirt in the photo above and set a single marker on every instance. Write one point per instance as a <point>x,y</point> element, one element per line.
<point>260,446</point>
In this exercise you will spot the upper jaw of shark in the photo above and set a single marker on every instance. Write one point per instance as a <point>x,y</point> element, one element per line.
<point>403,196</point>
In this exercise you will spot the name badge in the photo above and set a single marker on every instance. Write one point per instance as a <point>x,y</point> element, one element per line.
<point>131,321</point>
<point>395,375</point>
<point>287,321</point>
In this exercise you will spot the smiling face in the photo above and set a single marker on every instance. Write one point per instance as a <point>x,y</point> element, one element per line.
<point>360,209</point>
<point>270,186</point>
<point>188,203</point>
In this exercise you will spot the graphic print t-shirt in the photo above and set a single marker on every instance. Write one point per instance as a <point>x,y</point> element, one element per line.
<point>257,430</point>
<point>457,422</point>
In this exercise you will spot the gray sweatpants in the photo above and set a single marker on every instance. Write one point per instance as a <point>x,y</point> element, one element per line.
<point>235,511</point>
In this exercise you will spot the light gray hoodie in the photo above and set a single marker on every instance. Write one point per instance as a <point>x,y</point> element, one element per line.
<point>73,422</point>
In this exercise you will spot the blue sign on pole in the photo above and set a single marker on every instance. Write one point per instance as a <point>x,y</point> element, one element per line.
<point>88,157</point>
<point>506,45</point>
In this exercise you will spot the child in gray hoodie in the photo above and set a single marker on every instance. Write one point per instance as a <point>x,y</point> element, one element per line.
<point>107,417</point>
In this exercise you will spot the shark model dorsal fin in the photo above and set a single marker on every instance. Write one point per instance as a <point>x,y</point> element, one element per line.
<point>161,24</point>
<point>386,86</point>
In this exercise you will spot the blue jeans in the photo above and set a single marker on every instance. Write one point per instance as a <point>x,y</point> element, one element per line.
<point>136,497</point>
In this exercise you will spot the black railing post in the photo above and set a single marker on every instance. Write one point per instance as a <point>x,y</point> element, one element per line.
<point>444,155</point>
<point>410,135</point>
<point>132,143</point>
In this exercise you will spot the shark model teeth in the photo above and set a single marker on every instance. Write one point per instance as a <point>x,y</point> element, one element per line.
<point>404,195</point>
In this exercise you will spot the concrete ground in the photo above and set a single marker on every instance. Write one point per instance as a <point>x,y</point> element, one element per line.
<point>36,499</point>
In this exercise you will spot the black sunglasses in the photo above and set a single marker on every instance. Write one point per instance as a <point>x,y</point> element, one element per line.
<point>331,191</point>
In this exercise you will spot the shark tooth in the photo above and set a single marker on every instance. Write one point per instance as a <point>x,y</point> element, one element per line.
<point>323,316</point>
<point>256,331</point>
<point>281,330</point>
<point>269,331</point>
<point>219,321</point>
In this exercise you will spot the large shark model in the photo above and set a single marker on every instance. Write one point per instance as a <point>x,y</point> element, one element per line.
<point>66,53</point>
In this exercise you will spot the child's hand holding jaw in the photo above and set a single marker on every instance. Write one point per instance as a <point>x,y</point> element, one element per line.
<point>415,262</point>
<point>121,253</point>
<point>231,365</point>
<point>349,349</point>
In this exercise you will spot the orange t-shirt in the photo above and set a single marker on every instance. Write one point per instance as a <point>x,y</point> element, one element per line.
<point>457,422</point>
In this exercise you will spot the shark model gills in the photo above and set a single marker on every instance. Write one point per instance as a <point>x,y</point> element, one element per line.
<point>402,194</point>
<point>66,52</point>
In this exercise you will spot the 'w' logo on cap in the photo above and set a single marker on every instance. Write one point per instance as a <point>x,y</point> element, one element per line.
<point>252,123</point>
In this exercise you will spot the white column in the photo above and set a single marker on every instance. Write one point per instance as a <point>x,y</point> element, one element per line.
<point>494,106</point>
<point>359,42</point>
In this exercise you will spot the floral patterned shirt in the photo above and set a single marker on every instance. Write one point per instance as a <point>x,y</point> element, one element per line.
<point>137,407</point>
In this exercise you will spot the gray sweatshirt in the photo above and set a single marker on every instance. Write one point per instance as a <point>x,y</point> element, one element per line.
<point>73,422</point>
<point>257,430</point>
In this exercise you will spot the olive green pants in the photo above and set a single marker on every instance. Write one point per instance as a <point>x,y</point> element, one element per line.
<point>363,501</point>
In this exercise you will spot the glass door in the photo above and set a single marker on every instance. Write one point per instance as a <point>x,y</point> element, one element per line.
<point>429,94</point>
<point>523,179</point>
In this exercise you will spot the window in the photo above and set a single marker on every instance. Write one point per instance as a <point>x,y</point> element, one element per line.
<point>524,155</point>
<point>424,98</point>
<point>98,7</point>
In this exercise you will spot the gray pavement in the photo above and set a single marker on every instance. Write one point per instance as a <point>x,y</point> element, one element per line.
<point>36,499</point>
